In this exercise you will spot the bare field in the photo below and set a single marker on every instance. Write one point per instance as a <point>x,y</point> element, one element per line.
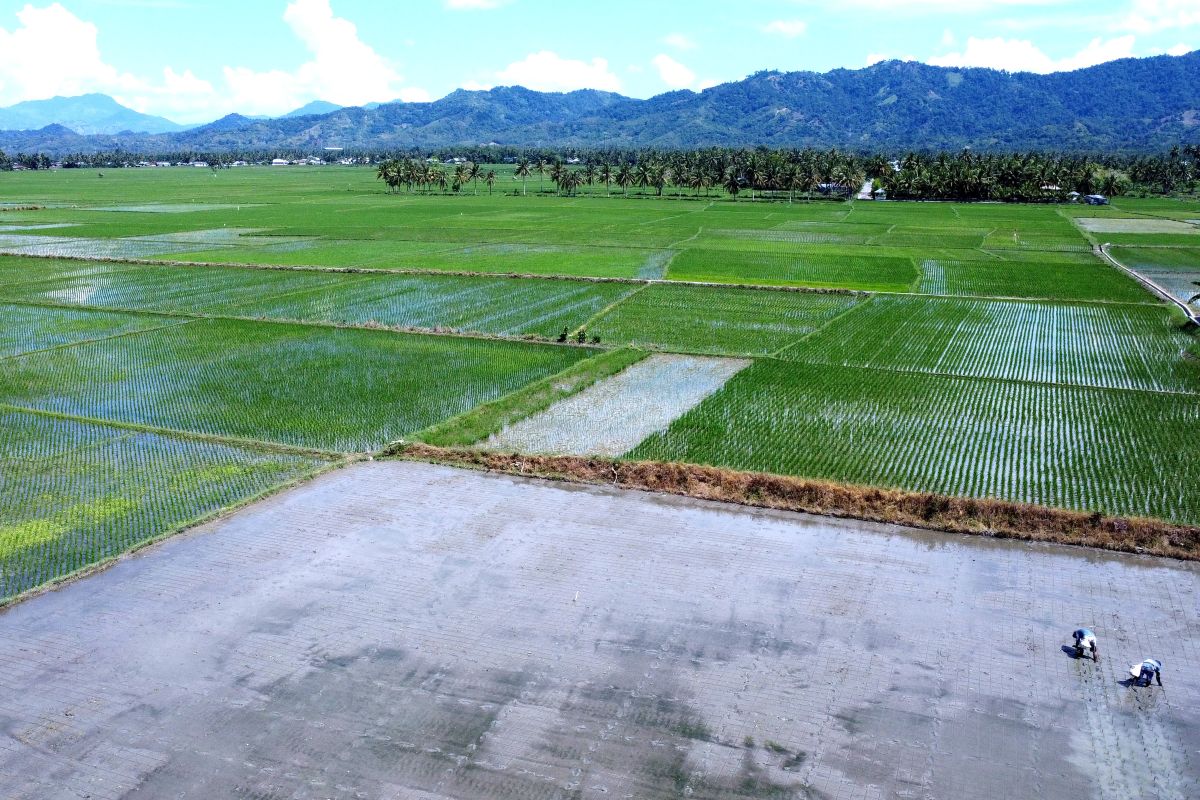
<point>400,630</point>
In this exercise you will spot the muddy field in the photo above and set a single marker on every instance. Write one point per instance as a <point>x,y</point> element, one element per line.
<point>401,630</point>
<point>611,417</point>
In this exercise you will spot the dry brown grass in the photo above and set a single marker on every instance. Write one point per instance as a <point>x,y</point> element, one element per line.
<point>983,517</point>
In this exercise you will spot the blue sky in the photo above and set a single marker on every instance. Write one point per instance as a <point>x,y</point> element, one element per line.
<point>195,60</point>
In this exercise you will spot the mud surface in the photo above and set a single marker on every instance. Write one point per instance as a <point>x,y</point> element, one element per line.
<point>612,417</point>
<point>1139,225</point>
<point>400,630</point>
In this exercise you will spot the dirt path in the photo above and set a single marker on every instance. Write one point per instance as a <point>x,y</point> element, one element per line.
<point>612,417</point>
<point>402,630</point>
<point>1165,293</point>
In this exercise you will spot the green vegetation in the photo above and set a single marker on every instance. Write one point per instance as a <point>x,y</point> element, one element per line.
<point>24,329</point>
<point>75,493</point>
<point>1077,448</point>
<point>722,321</point>
<point>1122,347</point>
<point>450,302</point>
<point>481,422</point>
<point>980,350</point>
<point>332,389</point>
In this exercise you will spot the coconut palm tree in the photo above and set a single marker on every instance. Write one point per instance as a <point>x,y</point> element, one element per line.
<point>606,175</point>
<point>625,178</point>
<point>732,181</point>
<point>522,172</point>
<point>490,180</point>
<point>473,172</point>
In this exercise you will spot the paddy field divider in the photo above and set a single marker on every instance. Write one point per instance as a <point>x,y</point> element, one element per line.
<point>972,516</point>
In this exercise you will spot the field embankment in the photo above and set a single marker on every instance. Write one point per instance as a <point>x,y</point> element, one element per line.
<point>986,517</point>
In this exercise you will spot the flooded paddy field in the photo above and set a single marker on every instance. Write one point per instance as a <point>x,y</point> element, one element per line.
<point>400,630</point>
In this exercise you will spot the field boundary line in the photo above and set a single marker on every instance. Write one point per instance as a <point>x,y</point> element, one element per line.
<point>93,341</point>
<point>1192,316</point>
<point>194,316</point>
<point>1021,381</point>
<point>218,513</point>
<point>1000,519</point>
<point>181,433</point>
<point>604,311</point>
<point>1012,299</point>
<point>451,273</point>
<point>584,381</point>
<point>45,279</point>
<point>860,304</point>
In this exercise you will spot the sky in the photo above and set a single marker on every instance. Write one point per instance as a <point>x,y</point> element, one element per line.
<point>196,60</point>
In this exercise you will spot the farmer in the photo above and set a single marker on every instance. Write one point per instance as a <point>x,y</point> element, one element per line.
<point>1085,638</point>
<point>1149,669</point>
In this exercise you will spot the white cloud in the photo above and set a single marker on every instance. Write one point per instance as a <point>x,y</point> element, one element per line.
<point>949,6</point>
<point>1179,50</point>
<point>472,5</point>
<point>948,39</point>
<point>672,73</point>
<point>54,52</point>
<point>1021,55</point>
<point>790,28</point>
<point>343,70</point>
<point>1148,16</point>
<point>875,58</point>
<point>547,71</point>
<point>679,41</point>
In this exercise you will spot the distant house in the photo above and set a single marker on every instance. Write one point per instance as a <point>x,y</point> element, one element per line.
<point>280,162</point>
<point>1096,200</point>
<point>879,194</point>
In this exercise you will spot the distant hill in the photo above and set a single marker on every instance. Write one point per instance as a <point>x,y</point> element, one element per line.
<point>86,114</point>
<point>1130,105</point>
<point>313,108</point>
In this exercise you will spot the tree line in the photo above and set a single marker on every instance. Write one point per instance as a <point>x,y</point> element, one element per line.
<point>756,173</point>
<point>778,174</point>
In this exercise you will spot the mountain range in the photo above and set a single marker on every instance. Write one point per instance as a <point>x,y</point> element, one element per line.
<point>86,114</point>
<point>1128,105</point>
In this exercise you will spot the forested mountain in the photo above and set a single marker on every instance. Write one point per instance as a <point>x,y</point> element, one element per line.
<point>85,114</point>
<point>1128,105</point>
<point>315,107</point>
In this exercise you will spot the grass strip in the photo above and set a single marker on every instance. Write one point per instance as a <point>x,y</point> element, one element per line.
<point>984,517</point>
<point>481,422</point>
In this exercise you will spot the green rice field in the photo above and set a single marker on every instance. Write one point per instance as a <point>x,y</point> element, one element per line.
<point>179,341</point>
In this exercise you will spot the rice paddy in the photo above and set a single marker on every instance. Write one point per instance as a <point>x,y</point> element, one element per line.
<point>277,321</point>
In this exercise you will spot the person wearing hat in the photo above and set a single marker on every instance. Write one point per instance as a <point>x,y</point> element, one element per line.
<point>1150,669</point>
<point>1085,638</point>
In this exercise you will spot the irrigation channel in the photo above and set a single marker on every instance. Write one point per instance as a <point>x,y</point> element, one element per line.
<point>405,630</point>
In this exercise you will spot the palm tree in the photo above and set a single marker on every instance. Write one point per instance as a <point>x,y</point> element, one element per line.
<point>490,180</point>
<point>644,174</point>
<point>606,175</point>
<point>473,172</point>
<point>625,178</point>
<point>388,173</point>
<point>732,182</point>
<point>541,168</point>
<point>522,171</point>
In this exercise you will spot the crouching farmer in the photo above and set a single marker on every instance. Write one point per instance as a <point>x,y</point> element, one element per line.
<point>1085,642</point>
